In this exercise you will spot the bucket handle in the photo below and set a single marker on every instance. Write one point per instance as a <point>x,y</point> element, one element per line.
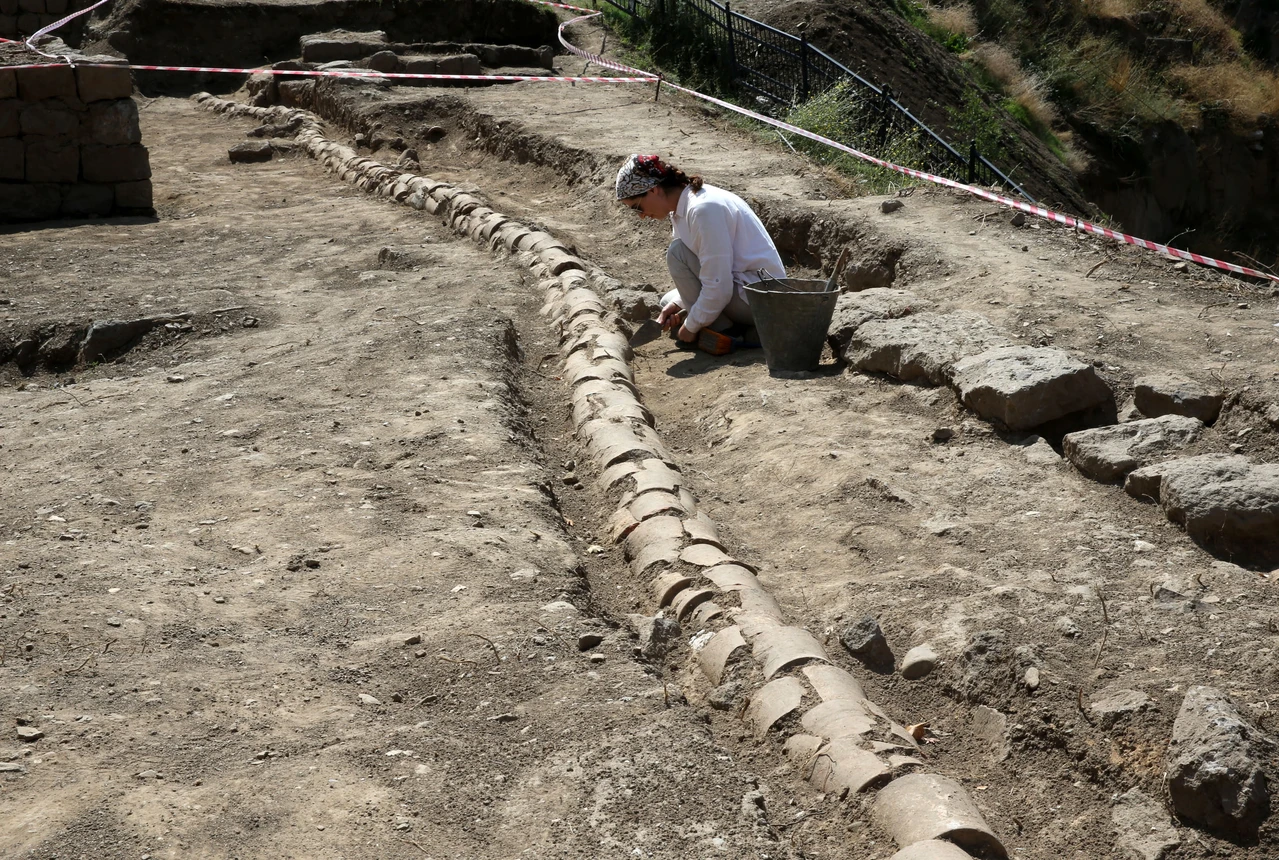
<point>782,286</point>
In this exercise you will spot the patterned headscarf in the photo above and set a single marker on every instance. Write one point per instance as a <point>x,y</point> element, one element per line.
<point>640,173</point>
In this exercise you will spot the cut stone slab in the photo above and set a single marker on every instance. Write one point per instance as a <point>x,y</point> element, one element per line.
<point>1213,775</point>
<point>1224,502</point>
<point>879,303</point>
<point>1144,829</point>
<point>1024,387</point>
<point>1169,394</point>
<point>921,347</point>
<point>1110,453</point>
<point>1111,706</point>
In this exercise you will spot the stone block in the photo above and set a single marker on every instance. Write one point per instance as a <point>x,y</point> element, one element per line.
<point>250,151</point>
<point>8,84</point>
<point>35,7</point>
<point>921,347</point>
<point>116,163</point>
<point>52,159</point>
<point>384,61</point>
<point>85,200</point>
<point>113,123</point>
<point>27,202</point>
<point>449,65</point>
<point>10,118</point>
<point>50,119</point>
<point>341,45</point>
<point>1026,387</point>
<point>52,82</point>
<point>1168,394</point>
<point>12,159</point>
<point>57,8</point>
<point>99,83</point>
<point>420,65</point>
<point>296,93</point>
<point>9,8</point>
<point>134,195</point>
<point>854,309</point>
<point>1110,453</point>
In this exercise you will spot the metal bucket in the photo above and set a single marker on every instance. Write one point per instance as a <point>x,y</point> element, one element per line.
<point>792,316</point>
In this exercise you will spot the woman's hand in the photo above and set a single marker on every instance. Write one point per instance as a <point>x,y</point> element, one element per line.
<point>666,317</point>
<point>685,335</point>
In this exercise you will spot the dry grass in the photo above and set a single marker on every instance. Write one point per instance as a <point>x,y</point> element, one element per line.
<point>955,18</point>
<point>1025,89</point>
<point>1247,92</point>
<point>1110,8</point>
<point>999,63</point>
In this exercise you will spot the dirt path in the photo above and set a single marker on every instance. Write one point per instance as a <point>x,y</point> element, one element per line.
<point>220,543</point>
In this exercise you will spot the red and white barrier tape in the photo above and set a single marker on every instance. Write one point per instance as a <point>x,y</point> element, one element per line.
<point>1048,214</point>
<point>347,73</point>
<point>639,76</point>
<point>55,25</point>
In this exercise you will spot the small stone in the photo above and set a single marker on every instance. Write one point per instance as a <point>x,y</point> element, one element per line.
<point>1067,627</point>
<point>918,662</point>
<point>943,434</point>
<point>114,622</point>
<point>864,639</point>
<point>419,654</point>
<point>397,697</point>
<point>175,377</point>
<point>725,697</point>
<point>889,206</point>
<point>587,641</point>
<point>1111,706</point>
<point>219,600</point>
<point>1018,219</point>
<point>366,699</point>
<point>597,658</point>
<point>415,639</point>
<point>29,734</point>
<point>1031,679</point>
<point>11,767</point>
<point>148,774</point>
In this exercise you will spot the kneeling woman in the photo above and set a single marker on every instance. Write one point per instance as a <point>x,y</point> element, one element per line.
<point>720,245</point>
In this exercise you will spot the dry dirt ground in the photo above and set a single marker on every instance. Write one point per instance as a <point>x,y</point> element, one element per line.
<point>218,550</point>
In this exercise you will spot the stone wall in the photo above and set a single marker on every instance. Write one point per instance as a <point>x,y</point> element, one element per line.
<point>21,18</point>
<point>70,144</point>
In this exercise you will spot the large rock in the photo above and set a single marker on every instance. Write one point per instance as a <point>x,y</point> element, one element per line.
<point>921,347</point>
<point>1024,387</point>
<point>1168,394</point>
<point>1224,502</point>
<point>1143,830</point>
<point>1212,772</point>
<point>1110,453</point>
<point>854,309</point>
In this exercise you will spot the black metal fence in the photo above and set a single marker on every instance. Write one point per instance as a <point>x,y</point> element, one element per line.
<point>785,70</point>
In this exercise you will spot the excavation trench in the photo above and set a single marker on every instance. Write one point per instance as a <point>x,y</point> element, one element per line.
<point>841,742</point>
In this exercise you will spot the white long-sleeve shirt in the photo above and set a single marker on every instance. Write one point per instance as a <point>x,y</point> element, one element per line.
<point>730,243</point>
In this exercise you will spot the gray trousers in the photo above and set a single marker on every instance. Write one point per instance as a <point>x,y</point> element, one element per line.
<point>686,272</point>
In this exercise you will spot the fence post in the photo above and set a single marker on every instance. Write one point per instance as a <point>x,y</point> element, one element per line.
<point>803,68</point>
<point>732,44</point>
<point>972,162</point>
